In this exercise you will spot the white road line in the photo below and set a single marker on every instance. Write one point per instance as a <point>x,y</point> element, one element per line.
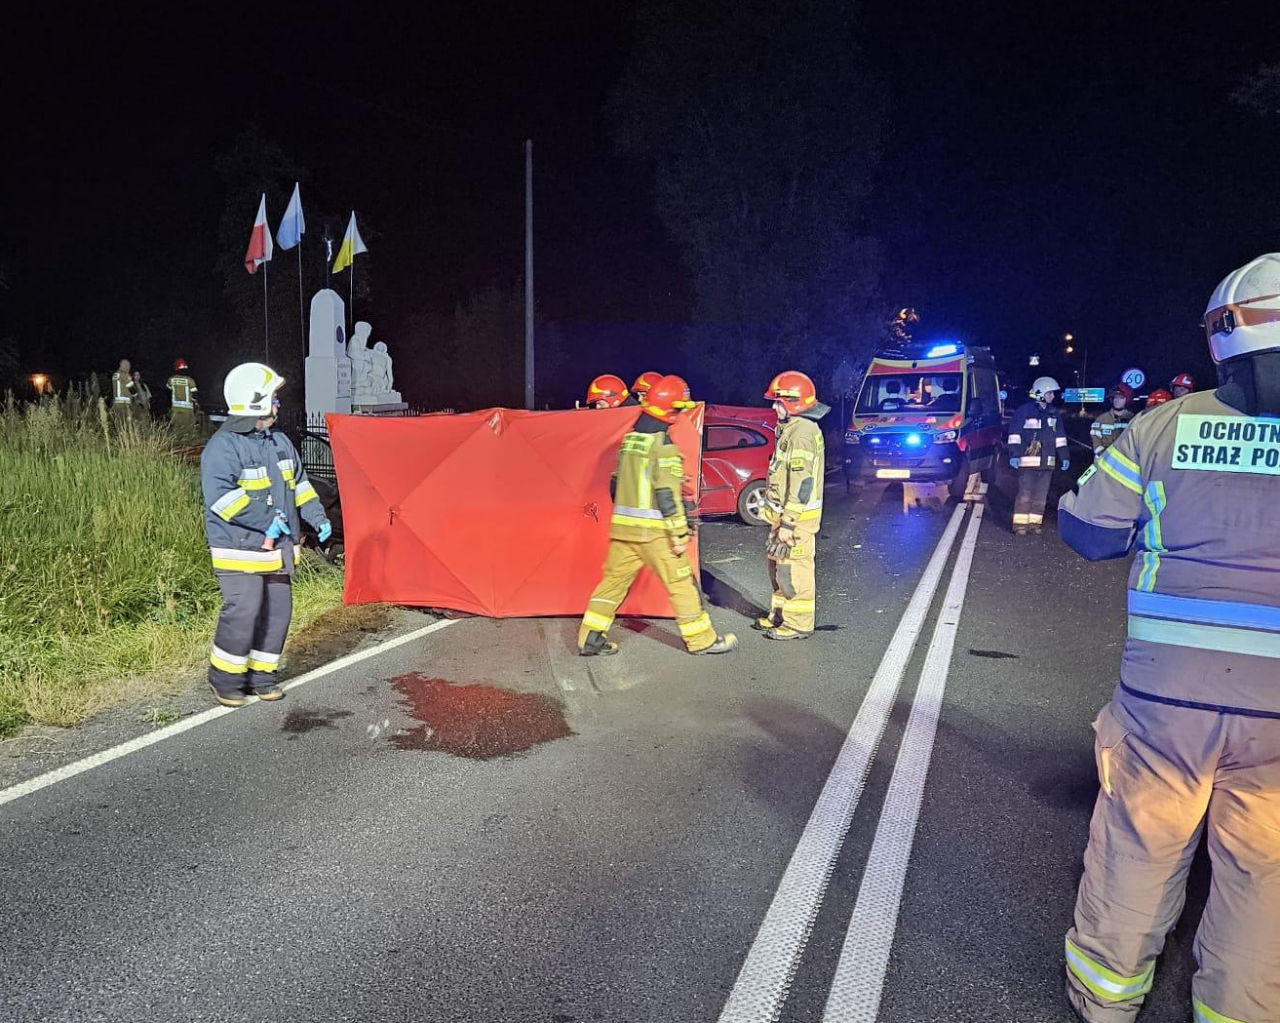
<point>204,717</point>
<point>859,980</point>
<point>761,987</point>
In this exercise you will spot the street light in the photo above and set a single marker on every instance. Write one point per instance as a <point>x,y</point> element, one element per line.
<point>38,381</point>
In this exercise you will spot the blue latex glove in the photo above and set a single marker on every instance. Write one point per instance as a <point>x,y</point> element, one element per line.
<point>325,531</point>
<point>1013,462</point>
<point>1066,463</point>
<point>278,528</point>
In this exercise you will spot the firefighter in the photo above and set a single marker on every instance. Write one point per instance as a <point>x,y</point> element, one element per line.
<point>1190,742</point>
<point>255,493</point>
<point>793,507</point>
<point>643,382</point>
<point>182,401</point>
<point>1037,445</point>
<point>123,392</point>
<point>649,530</point>
<point>606,391</point>
<point>1182,384</point>
<point>1157,397</point>
<point>1106,429</point>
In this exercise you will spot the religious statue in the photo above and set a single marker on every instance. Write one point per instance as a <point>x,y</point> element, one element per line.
<point>371,374</point>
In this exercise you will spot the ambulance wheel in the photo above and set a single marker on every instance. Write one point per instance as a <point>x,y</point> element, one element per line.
<point>960,481</point>
<point>751,504</point>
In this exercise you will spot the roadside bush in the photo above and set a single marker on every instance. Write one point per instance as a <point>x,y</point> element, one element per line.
<point>105,584</point>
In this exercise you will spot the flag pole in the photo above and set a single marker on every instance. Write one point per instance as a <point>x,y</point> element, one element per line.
<point>266,316</point>
<point>302,305</point>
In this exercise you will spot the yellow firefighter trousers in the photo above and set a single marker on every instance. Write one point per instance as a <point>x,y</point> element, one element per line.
<point>795,584</point>
<point>1168,774</point>
<point>621,566</point>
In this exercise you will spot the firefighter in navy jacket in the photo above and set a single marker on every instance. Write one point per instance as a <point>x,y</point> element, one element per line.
<point>255,495</point>
<point>1037,446</point>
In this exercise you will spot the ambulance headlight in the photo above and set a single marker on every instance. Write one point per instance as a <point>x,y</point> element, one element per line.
<point>945,437</point>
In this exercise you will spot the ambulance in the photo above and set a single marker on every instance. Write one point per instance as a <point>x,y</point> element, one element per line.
<point>927,412</point>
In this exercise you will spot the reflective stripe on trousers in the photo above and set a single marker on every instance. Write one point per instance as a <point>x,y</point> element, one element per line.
<point>1168,775</point>
<point>622,564</point>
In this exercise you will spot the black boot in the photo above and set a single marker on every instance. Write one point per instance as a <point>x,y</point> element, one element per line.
<point>598,646</point>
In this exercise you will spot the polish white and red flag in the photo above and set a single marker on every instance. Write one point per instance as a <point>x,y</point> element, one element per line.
<point>260,245</point>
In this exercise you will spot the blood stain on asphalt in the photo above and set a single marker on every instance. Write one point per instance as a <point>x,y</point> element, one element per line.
<point>478,722</point>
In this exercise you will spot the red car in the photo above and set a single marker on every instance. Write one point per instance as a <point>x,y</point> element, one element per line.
<point>737,444</point>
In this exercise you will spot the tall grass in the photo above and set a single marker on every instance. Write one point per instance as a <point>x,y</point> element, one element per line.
<point>105,584</point>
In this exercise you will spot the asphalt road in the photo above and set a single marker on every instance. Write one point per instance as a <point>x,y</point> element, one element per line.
<point>479,825</point>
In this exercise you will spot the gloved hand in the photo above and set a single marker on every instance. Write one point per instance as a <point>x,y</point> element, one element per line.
<point>1013,462</point>
<point>325,531</point>
<point>679,545</point>
<point>279,527</point>
<point>780,545</point>
<point>1066,464</point>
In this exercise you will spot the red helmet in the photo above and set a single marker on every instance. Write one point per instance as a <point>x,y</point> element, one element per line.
<point>179,365</point>
<point>606,391</point>
<point>794,390</point>
<point>1123,389</point>
<point>644,381</point>
<point>1158,397</point>
<point>1183,380</point>
<point>667,397</point>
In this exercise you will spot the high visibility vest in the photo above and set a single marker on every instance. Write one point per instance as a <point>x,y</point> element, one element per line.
<point>646,501</point>
<point>1106,429</point>
<point>1192,487</point>
<point>793,493</point>
<point>121,388</point>
<point>183,389</point>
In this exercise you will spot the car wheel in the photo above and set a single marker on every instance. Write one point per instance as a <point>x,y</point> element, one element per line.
<point>751,504</point>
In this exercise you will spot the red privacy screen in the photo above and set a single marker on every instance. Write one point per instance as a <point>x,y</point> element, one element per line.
<point>502,513</point>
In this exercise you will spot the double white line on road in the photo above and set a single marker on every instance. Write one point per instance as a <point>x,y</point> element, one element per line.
<point>761,988</point>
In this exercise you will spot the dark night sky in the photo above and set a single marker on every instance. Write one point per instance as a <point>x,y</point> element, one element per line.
<point>1049,168</point>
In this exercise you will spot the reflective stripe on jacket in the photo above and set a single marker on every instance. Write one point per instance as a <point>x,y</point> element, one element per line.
<point>122,388</point>
<point>246,478</point>
<point>646,500</point>
<point>183,389</point>
<point>1106,429</point>
<point>793,492</point>
<point>1193,487</point>
<point>1037,437</point>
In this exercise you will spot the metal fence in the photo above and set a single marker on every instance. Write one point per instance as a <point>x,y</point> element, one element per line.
<point>311,434</point>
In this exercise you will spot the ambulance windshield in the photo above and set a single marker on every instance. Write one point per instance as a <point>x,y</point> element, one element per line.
<point>910,392</point>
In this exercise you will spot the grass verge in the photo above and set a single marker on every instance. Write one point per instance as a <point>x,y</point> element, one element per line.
<point>106,593</point>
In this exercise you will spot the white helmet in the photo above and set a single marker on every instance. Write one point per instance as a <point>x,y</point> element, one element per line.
<point>1043,386</point>
<point>1243,315</point>
<point>249,388</point>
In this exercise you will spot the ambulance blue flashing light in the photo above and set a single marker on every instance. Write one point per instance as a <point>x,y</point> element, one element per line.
<point>938,351</point>
<point>914,440</point>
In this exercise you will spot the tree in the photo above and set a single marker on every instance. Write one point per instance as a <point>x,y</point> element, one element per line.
<point>763,129</point>
<point>1261,91</point>
<point>485,356</point>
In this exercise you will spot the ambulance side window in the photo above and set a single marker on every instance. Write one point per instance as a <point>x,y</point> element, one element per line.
<point>984,394</point>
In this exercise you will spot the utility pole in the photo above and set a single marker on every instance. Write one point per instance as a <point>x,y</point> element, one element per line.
<point>528,274</point>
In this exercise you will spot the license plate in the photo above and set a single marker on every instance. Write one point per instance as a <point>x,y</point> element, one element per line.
<point>893,474</point>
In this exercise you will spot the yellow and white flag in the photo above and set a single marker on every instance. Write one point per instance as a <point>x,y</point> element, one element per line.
<point>352,245</point>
